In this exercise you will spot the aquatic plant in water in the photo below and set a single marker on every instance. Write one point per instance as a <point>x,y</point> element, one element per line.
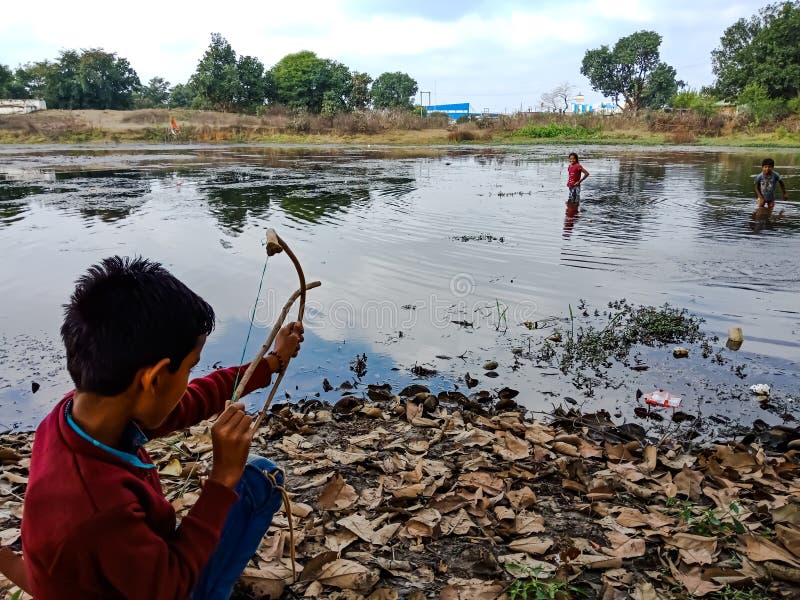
<point>588,350</point>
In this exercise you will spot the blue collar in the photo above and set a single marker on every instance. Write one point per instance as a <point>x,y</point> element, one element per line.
<point>132,437</point>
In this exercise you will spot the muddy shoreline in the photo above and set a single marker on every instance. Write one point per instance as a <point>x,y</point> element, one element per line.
<point>415,495</point>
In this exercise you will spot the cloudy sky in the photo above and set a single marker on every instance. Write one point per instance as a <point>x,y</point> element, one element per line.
<point>495,54</point>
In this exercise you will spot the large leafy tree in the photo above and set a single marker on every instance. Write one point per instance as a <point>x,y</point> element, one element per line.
<point>105,80</point>
<point>632,71</point>
<point>306,82</point>
<point>360,96</point>
<point>6,81</point>
<point>216,78</point>
<point>182,95</point>
<point>89,79</point>
<point>761,50</point>
<point>154,95</point>
<point>251,90</point>
<point>394,90</point>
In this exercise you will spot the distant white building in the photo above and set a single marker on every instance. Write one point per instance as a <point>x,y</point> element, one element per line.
<point>12,107</point>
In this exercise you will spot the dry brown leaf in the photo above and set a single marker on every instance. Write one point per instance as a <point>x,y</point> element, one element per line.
<point>528,522</point>
<point>365,529</point>
<point>315,482</point>
<point>337,495</point>
<point>521,565</point>
<point>531,545</point>
<point>649,456</point>
<point>688,482</point>
<point>789,537</point>
<point>425,523</point>
<point>409,491</point>
<point>348,575</point>
<point>522,498</point>
<point>339,540</point>
<point>313,567</point>
<point>539,433</point>
<point>510,447</point>
<point>624,547</point>
<point>761,549</point>
<point>9,536</point>
<point>694,582</point>
<point>790,513</point>
<point>564,448</point>
<point>346,458</point>
<point>644,590</point>
<point>474,437</point>
<point>418,445</point>
<point>723,498</point>
<point>262,584</point>
<point>383,594</point>
<point>481,479</point>
<point>172,468</point>
<point>694,549</point>
<point>457,524</point>
<point>475,589</point>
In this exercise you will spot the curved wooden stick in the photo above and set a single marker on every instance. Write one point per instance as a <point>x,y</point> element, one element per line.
<point>268,344</point>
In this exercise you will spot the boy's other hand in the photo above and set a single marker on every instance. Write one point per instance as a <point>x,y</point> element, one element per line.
<point>288,340</point>
<point>231,437</point>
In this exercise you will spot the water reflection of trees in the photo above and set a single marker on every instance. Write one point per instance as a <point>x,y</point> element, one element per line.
<point>625,197</point>
<point>311,193</point>
<point>12,201</point>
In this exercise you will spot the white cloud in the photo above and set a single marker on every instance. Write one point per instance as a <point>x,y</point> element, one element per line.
<point>499,50</point>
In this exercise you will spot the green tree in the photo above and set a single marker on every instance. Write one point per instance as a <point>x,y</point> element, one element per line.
<point>106,81</point>
<point>304,81</point>
<point>155,94</point>
<point>6,82</point>
<point>360,96</point>
<point>251,88</point>
<point>661,86</point>
<point>625,72</point>
<point>32,78</point>
<point>756,102</point>
<point>394,90</point>
<point>761,50</point>
<point>181,96</point>
<point>216,78</point>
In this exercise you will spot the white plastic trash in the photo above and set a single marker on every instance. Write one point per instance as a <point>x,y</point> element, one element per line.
<point>762,389</point>
<point>662,398</point>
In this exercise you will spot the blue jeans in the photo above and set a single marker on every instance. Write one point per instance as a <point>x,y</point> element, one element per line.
<point>248,520</point>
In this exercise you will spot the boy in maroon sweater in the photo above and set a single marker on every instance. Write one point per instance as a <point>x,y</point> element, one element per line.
<point>96,523</point>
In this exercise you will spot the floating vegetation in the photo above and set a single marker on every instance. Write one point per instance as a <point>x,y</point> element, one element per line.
<point>587,350</point>
<point>479,237</point>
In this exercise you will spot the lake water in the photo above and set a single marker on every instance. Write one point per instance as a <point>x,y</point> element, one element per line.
<point>408,243</point>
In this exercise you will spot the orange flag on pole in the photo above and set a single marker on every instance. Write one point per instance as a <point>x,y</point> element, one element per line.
<point>174,124</point>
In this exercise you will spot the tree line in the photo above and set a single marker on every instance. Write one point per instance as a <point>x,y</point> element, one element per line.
<point>757,66</point>
<point>96,79</point>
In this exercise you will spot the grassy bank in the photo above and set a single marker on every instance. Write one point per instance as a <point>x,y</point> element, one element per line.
<point>373,127</point>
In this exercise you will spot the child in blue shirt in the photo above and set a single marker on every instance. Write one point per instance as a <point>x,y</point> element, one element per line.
<point>765,184</point>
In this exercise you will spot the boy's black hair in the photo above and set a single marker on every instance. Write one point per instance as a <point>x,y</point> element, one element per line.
<point>575,154</point>
<point>125,314</point>
<point>768,162</point>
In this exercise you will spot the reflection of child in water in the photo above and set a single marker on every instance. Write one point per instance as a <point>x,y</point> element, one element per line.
<point>765,184</point>
<point>576,175</point>
<point>763,218</point>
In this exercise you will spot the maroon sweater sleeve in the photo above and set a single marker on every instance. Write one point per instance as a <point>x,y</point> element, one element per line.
<point>206,396</point>
<point>138,563</point>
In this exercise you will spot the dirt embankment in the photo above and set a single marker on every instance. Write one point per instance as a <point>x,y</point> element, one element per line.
<point>420,496</point>
<point>380,127</point>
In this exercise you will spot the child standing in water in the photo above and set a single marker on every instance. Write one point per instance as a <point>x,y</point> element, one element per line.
<point>765,184</point>
<point>577,174</point>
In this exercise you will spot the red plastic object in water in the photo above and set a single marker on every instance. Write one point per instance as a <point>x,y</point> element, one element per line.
<point>662,398</point>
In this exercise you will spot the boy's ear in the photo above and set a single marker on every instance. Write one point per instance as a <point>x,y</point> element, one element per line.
<point>151,374</point>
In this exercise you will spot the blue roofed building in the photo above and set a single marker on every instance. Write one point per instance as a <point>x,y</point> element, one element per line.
<point>454,111</point>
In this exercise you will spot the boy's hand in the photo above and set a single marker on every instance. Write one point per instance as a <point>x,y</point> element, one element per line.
<point>231,436</point>
<point>288,340</point>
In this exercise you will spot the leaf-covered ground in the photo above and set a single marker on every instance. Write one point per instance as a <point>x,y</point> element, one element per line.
<point>422,496</point>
